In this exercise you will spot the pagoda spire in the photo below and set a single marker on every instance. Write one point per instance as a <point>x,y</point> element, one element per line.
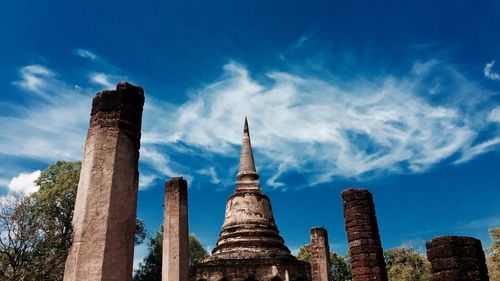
<point>247,174</point>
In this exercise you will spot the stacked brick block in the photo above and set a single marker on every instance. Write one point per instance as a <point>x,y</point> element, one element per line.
<point>456,258</point>
<point>367,258</point>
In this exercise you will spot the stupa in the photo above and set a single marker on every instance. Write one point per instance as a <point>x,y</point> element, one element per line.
<point>250,247</point>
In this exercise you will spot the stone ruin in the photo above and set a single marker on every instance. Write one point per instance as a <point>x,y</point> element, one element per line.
<point>249,247</point>
<point>105,208</point>
<point>456,258</point>
<point>320,255</point>
<point>367,256</point>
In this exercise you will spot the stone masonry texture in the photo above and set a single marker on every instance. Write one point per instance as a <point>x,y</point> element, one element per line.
<point>320,255</point>
<point>367,258</point>
<point>175,261</point>
<point>456,258</point>
<point>105,209</point>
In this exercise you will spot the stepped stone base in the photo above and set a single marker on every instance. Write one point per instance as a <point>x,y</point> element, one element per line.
<point>270,269</point>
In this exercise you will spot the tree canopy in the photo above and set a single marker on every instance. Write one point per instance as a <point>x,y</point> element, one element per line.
<point>405,263</point>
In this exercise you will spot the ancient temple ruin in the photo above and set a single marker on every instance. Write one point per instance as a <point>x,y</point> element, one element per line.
<point>250,246</point>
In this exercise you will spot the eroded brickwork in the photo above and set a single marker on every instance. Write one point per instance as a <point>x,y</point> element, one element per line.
<point>175,260</point>
<point>105,209</point>
<point>320,255</point>
<point>456,258</point>
<point>367,258</point>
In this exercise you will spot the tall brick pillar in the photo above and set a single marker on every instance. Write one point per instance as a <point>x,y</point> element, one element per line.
<point>456,258</point>
<point>175,262</point>
<point>367,258</point>
<point>106,201</point>
<point>320,255</point>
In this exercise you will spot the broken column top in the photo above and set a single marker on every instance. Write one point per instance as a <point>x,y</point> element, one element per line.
<point>121,108</point>
<point>456,258</point>
<point>176,182</point>
<point>356,193</point>
<point>320,229</point>
<point>113,100</point>
<point>457,241</point>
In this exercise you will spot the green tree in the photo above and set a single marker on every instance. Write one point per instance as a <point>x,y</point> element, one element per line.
<point>196,251</point>
<point>340,267</point>
<point>404,263</point>
<point>150,268</point>
<point>54,203</point>
<point>493,260</point>
<point>18,236</point>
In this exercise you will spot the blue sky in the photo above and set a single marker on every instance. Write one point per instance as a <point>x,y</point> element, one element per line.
<point>401,98</point>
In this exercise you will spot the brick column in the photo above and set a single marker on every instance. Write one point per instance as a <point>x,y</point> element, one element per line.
<point>455,258</point>
<point>320,255</point>
<point>106,201</point>
<point>367,258</point>
<point>175,262</point>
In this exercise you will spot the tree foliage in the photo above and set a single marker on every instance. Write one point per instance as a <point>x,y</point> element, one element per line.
<point>493,251</point>
<point>150,268</point>
<point>404,263</point>
<point>19,235</point>
<point>340,267</point>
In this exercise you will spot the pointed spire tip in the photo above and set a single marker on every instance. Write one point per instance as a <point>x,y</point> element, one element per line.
<point>245,128</point>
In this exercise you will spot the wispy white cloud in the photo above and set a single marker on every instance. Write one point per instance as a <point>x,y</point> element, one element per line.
<point>488,71</point>
<point>24,182</point>
<point>146,180</point>
<point>34,77</point>
<point>102,79</point>
<point>494,115</point>
<point>316,127</point>
<point>320,127</point>
<point>85,54</point>
<point>478,149</point>
<point>52,125</point>
<point>210,172</point>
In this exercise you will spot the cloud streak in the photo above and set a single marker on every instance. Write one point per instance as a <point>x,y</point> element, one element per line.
<point>85,54</point>
<point>320,128</point>
<point>488,72</point>
<point>315,127</point>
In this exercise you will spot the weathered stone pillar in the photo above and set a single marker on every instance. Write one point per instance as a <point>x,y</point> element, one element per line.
<point>320,255</point>
<point>106,201</point>
<point>367,258</point>
<point>175,262</point>
<point>456,258</point>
